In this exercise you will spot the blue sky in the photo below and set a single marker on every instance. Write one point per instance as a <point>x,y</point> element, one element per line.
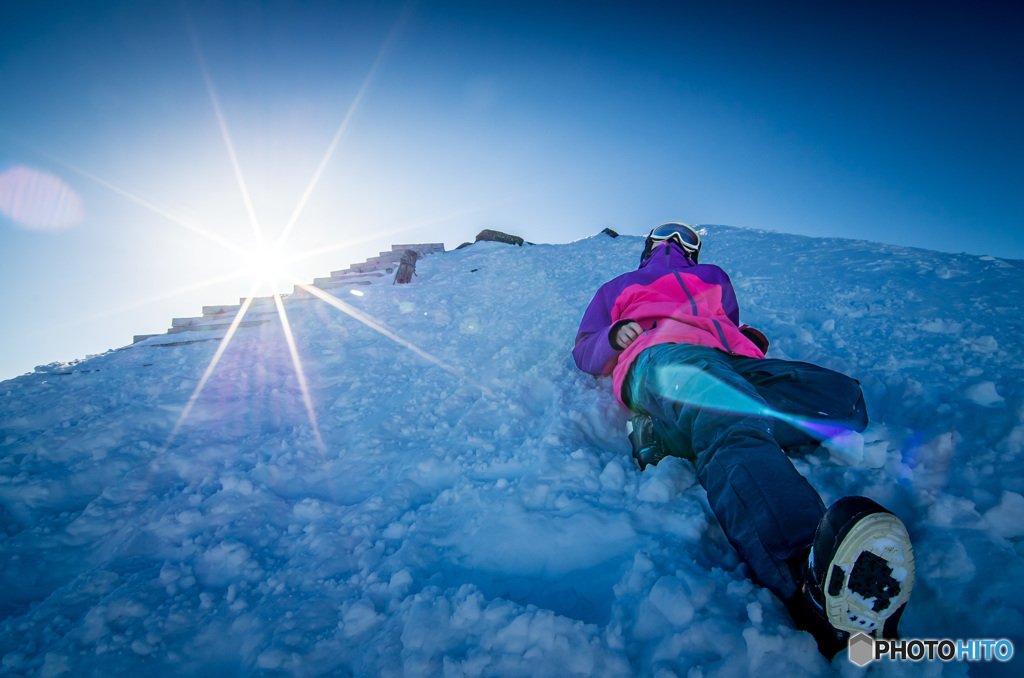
<point>549,120</point>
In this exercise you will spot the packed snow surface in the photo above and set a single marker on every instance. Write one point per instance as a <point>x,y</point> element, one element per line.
<point>478,514</point>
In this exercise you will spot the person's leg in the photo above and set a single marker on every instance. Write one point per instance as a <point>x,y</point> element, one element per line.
<point>706,412</point>
<point>824,400</point>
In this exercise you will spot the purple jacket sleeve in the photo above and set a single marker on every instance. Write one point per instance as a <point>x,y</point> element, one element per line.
<point>729,303</point>
<point>594,352</point>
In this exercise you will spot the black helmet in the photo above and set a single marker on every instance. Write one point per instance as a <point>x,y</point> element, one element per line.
<point>683,235</point>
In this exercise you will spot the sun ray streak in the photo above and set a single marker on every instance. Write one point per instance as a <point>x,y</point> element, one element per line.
<point>299,373</point>
<point>168,295</point>
<point>341,129</point>
<point>213,364</point>
<point>156,209</point>
<point>227,136</point>
<point>377,327</point>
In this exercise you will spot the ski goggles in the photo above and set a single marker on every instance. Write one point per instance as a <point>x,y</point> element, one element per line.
<point>683,235</point>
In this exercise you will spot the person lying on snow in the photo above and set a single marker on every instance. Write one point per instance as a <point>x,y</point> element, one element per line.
<point>702,389</point>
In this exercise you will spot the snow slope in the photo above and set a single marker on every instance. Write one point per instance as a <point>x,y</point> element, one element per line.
<point>486,519</point>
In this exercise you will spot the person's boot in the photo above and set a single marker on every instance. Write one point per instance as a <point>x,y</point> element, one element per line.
<point>857,578</point>
<point>647,447</point>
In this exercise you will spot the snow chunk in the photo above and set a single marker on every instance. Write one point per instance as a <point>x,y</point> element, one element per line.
<point>848,446</point>
<point>986,344</point>
<point>55,665</point>
<point>654,490</point>
<point>946,559</point>
<point>876,453</point>
<point>664,481</point>
<point>670,597</point>
<point>984,394</point>
<point>1007,517</point>
<point>359,618</point>
<point>308,510</point>
<point>13,660</point>
<point>613,477</point>
<point>941,326</point>
<point>240,485</point>
<point>142,648</point>
<point>272,659</point>
<point>222,564</point>
<point>400,582</point>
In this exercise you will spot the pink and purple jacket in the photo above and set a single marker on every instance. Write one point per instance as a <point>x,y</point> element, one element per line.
<point>675,302</point>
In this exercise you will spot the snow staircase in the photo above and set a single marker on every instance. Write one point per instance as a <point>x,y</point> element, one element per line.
<point>261,308</point>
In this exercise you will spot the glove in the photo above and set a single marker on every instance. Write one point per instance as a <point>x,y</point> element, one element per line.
<point>757,337</point>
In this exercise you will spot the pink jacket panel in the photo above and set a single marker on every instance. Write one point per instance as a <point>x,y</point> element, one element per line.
<point>674,301</point>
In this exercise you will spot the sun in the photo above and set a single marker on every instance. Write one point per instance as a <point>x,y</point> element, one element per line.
<point>265,265</point>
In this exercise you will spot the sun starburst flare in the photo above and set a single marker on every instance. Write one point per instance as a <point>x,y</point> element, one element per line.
<point>376,234</point>
<point>221,348</point>
<point>299,372</point>
<point>377,327</point>
<point>265,263</point>
<point>336,139</point>
<point>194,287</point>
<point>257,233</point>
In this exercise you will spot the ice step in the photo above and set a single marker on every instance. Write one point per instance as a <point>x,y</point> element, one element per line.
<point>215,326</point>
<point>221,310</point>
<point>325,283</point>
<point>362,275</point>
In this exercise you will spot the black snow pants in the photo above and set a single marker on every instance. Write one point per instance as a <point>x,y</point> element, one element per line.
<point>733,417</point>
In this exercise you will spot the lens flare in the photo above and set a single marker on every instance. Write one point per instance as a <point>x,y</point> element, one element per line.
<point>686,383</point>
<point>155,209</point>
<point>39,201</point>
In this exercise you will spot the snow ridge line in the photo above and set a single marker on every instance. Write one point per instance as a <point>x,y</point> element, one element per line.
<point>220,317</point>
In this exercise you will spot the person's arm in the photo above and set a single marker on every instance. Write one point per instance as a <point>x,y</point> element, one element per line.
<point>595,351</point>
<point>732,309</point>
<point>729,302</point>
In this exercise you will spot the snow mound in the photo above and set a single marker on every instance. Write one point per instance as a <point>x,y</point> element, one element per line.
<point>472,510</point>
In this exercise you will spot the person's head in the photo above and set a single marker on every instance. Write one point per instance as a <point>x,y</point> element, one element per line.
<point>685,236</point>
